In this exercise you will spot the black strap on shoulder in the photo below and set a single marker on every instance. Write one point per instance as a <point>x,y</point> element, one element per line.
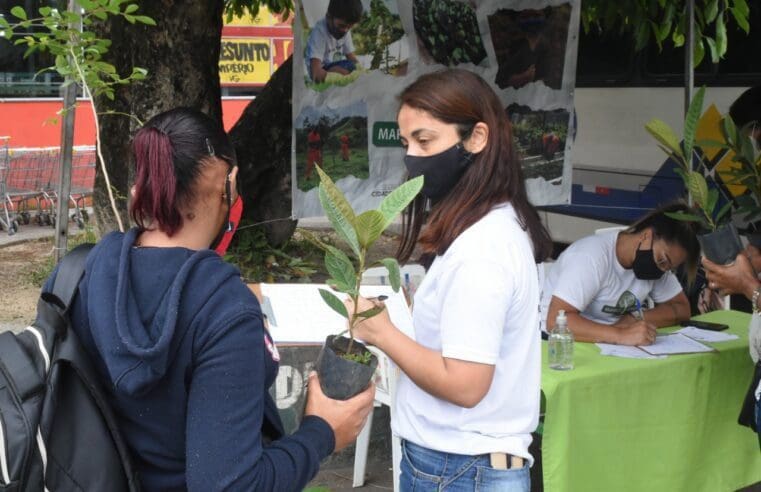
<point>70,272</point>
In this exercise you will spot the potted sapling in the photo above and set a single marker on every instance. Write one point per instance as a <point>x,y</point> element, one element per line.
<point>345,365</point>
<point>718,239</point>
<point>745,172</point>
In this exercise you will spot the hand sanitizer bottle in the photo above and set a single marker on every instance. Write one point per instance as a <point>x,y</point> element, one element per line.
<point>560,344</point>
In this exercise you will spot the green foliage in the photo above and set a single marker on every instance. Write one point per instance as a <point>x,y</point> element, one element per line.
<point>39,273</point>
<point>662,20</point>
<point>363,358</point>
<point>705,200</point>
<point>449,31</point>
<point>373,34</point>
<point>78,52</point>
<point>258,261</point>
<point>746,169</point>
<point>360,232</point>
<point>239,8</point>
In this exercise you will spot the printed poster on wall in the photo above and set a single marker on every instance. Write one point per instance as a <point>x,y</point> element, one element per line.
<point>345,88</point>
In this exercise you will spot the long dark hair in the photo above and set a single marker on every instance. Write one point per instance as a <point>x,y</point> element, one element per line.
<point>170,151</point>
<point>462,98</point>
<point>673,231</point>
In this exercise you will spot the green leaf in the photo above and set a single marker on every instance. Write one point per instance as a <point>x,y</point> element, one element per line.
<point>705,142</point>
<point>721,36</point>
<point>144,19</point>
<point>712,49</point>
<point>19,12</point>
<point>741,19</point>
<point>334,302</point>
<point>691,123</point>
<point>45,11</point>
<point>131,8</point>
<point>698,189</point>
<point>711,9</point>
<point>683,216</point>
<point>371,312</point>
<point>699,51</point>
<point>338,210</point>
<point>369,226</point>
<point>394,274</point>
<point>726,208</point>
<point>340,267</point>
<point>663,133</point>
<point>713,197</point>
<point>396,201</point>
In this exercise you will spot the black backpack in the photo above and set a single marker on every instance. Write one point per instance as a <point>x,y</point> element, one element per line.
<point>57,432</point>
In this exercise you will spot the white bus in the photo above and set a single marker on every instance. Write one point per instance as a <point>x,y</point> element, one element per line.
<point>616,163</point>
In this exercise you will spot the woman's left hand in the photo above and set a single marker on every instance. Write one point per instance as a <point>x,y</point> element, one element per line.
<point>738,277</point>
<point>370,330</point>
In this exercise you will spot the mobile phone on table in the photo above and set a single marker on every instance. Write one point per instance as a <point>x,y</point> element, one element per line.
<point>705,325</point>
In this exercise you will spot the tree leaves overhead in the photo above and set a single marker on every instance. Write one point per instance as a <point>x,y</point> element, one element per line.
<point>659,20</point>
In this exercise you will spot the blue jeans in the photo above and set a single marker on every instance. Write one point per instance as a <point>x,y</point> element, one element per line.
<point>424,469</point>
<point>347,65</point>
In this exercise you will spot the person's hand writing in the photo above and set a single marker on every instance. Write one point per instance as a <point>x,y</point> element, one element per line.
<point>345,417</point>
<point>371,329</point>
<point>637,333</point>
<point>739,277</point>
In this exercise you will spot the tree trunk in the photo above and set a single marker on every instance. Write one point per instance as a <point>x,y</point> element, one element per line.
<point>181,56</point>
<point>262,139</point>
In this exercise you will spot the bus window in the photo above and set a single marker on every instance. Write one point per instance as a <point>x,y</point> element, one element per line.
<point>605,59</point>
<point>19,76</point>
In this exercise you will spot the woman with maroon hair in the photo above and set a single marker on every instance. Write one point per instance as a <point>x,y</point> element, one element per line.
<point>178,338</point>
<point>469,396</point>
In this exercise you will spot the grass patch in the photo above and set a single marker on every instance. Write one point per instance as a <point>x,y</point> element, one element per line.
<point>38,273</point>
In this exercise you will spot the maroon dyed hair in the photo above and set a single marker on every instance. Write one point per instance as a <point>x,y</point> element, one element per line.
<point>170,152</point>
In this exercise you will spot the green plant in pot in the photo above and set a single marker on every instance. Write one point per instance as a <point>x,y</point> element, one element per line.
<point>719,239</point>
<point>345,365</point>
<point>746,171</point>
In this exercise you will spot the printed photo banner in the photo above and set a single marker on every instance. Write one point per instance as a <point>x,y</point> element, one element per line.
<point>345,88</point>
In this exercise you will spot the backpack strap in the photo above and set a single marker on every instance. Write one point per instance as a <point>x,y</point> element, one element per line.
<point>69,274</point>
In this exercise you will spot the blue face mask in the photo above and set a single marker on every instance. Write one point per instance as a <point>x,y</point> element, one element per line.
<point>440,171</point>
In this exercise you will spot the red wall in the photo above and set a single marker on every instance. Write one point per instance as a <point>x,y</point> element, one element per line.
<point>34,123</point>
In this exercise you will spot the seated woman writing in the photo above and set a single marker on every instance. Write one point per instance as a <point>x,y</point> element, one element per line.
<point>601,281</point>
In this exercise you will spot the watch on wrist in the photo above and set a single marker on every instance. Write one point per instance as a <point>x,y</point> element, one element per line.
<point>755,298</point>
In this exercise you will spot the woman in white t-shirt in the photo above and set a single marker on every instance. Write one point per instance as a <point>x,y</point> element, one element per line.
<point>601,281</point>
<point>469,396</point>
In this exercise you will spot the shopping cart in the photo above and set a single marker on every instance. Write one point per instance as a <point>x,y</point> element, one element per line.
<point>29,172</point>
<point>7,221</point>
<point>82,182</point>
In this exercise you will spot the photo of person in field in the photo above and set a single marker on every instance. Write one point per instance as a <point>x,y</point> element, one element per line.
<point>540,137</point>
<point>530,45</point>
<point>335,140</point>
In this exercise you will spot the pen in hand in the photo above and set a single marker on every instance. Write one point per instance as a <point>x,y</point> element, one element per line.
<point>637,313</point>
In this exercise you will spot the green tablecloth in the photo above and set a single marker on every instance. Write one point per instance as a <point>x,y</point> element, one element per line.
<point>614,424</point>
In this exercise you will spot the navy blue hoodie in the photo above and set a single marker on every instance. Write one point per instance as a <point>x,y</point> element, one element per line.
<point>180,346</point>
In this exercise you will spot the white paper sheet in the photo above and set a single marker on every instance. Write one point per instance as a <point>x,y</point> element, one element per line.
<point>707,335</point>
<point>298,314</point>
<point>675,343</point>
<point>625,351</point>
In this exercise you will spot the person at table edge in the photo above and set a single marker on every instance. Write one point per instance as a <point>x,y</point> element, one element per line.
<point>600,280</point>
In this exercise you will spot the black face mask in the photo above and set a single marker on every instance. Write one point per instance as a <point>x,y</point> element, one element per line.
<point>644,266</point>
<point>333,31</point>
<point>441,171</point>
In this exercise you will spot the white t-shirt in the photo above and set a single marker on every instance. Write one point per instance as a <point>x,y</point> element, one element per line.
<point>588,276</point>
<point>479,302</point>
<point>324,47</point>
